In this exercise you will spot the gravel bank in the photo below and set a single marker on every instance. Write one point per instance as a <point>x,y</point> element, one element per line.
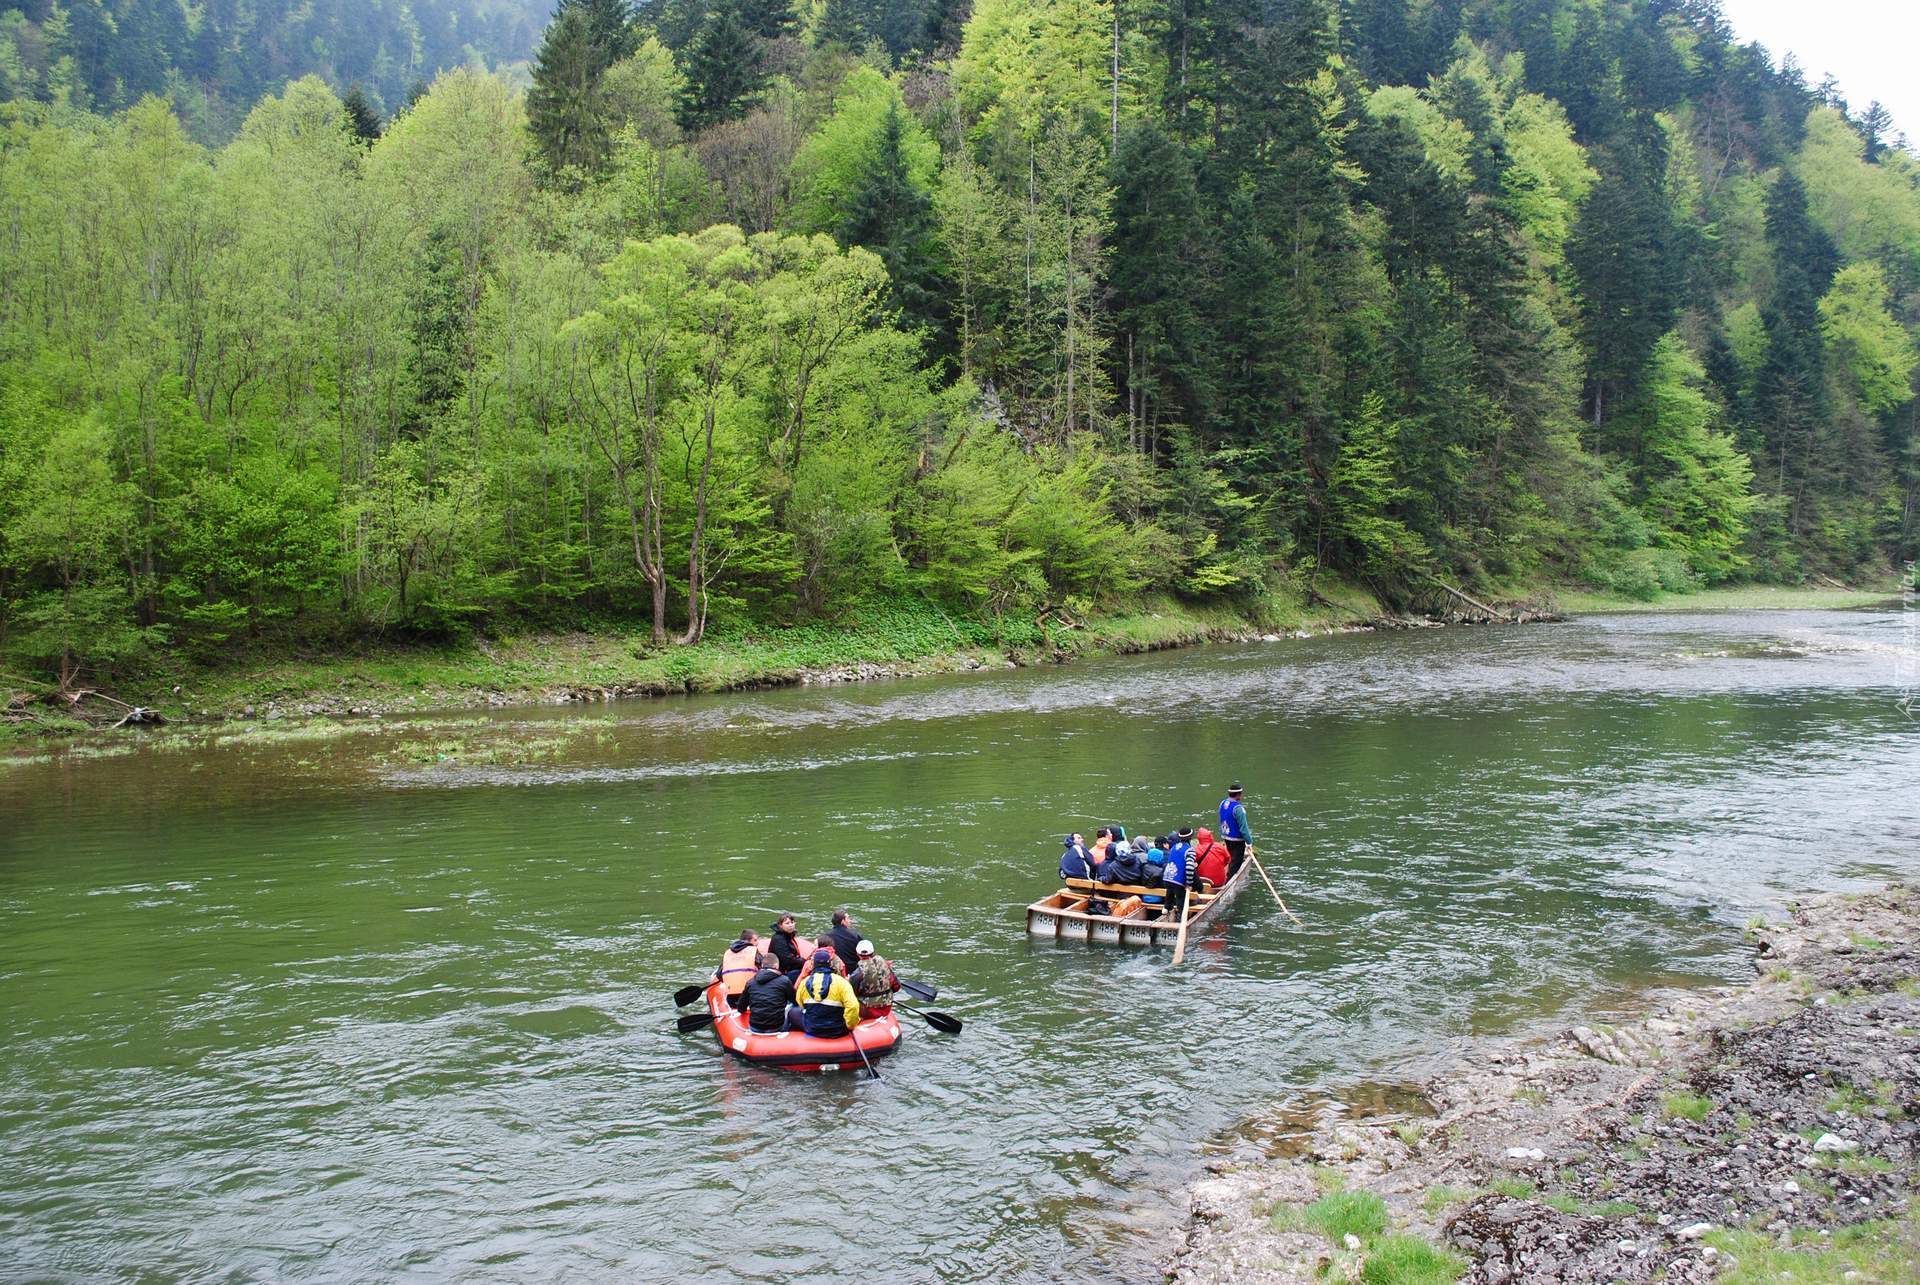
<point>1734,1134</point>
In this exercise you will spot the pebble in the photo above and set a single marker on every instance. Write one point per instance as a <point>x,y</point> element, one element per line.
<point>1694,1231</point>
<point>1709,1253</point>
<point>1525,1153</point>
<point>1352,1242</point>
<point>1832,1142</point>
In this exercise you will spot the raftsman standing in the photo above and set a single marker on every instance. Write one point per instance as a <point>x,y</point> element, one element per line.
<point>1234,831</point>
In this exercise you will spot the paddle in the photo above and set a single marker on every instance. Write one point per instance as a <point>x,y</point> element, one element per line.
<point>1270,888</point>
<point>694,1021</point>
<point>920,990</point>
<point>1187,911</point>
<point>938,1021</point>
<point>863,1054</point>
<point>687,994</point>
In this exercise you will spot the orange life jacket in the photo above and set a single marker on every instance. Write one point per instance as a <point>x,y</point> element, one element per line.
<point>737,968</point>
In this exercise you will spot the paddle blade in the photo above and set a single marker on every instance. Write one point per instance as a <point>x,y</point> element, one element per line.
<point>919,990</point>
<point>694,1021</point>
<point>688,994</point>
<point>941,1022</point>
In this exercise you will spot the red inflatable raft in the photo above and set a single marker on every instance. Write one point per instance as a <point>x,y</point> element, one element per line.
<point>793,1051</point>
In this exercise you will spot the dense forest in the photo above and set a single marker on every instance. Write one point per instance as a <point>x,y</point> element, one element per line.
<point>744,314</point>
<point>215,59</point>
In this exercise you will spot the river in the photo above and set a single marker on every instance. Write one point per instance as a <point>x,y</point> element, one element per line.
<point>395,1004</point>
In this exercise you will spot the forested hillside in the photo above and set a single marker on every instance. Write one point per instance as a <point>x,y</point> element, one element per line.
<point>214,59</point>
<point>747,314</point>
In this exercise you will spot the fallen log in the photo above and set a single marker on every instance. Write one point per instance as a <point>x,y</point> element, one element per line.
<point>1471,602</point>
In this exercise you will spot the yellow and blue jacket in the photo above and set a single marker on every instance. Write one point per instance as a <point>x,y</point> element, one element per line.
<point>827,1000</point>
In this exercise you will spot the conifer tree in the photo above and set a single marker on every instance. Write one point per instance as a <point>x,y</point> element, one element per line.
<point>362,119</point>
<point>889,214</point>
<point>723,70</point>
<point>563,106</point>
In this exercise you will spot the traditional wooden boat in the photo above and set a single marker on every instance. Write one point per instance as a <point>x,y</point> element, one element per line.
<point>793,1051</point>
<point>1131,919</point>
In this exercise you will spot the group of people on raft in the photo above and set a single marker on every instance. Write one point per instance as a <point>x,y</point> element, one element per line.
<point>792,983</point>
<point>1172,862</point>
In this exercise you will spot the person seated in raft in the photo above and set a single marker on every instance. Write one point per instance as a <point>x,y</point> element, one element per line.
<point>845,939</point>
<point>768,997</point>
<point>1211,858</point>
<point>1122,865</point>
<point>1173,879</point>
<point>833,961</point>
<point>824,1003</point>
<point>873,981</point>
<point>788,949</point>
<point>1076,862</point>
<point>1102,844</point>
<point>738,965</point>
<point>1153,858</point>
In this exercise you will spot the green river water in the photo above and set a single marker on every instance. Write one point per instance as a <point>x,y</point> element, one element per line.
<point>395,1004</point>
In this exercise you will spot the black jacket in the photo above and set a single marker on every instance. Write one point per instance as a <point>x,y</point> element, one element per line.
<point>768,995</point>
<point>786,951</point>
<point>845,940</point>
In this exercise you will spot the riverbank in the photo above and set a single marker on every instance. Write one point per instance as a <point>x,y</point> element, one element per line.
<point>1739,1134</point>
<point>905,640</point>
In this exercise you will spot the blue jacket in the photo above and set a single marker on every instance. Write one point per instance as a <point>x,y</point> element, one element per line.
<point>1176,871</point>
<point>1233,819</point>
<point>1075,863</point>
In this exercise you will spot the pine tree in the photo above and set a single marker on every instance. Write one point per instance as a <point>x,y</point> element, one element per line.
<point>723,70</point>
<point>563,106</point>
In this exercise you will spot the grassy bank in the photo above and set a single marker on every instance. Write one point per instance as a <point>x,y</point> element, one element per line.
<point>1733,598</point>
<point>898,639</point>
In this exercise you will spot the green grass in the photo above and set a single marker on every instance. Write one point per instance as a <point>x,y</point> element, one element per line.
<point>1347,1213</point>
<point>1408,1260</point>
<point>1438,1198</point>
<point>1410,1133</point>
<point>1687,1106</point>
<point>1887,1250</point>
<point>1514,1188</point>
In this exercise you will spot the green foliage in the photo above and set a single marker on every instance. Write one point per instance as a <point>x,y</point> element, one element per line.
<point>1686,1106</point>
<point>1874,350</point>
<point>1408,1260</point>
<point>1340,1214</point>
<point>1129,304</point>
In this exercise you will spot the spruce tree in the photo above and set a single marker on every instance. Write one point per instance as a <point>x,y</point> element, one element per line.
<point>769,19</point>
<point>362,119</point>
<point>610,28</point>
<point>563,106</point>
<point>889,214</point>
<point>723,70</point>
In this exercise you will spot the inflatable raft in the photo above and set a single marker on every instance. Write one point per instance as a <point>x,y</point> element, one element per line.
<point>792,1051</point>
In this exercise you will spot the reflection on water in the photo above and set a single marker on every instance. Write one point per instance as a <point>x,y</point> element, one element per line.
<point>395,1003</point>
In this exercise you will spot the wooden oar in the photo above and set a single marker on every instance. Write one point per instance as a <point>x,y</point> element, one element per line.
<point>1187,912</point>
<point>938,1021</point>
<point>920,990</point>
<point>1270,888</point>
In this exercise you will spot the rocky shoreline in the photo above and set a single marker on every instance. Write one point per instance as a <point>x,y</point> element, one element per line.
<point>1733,1134</point>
